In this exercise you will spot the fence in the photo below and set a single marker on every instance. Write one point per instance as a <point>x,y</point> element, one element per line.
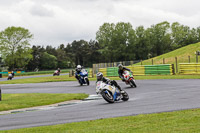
<point>189,68</point>
<point>1,73</point>
<point>96,67</point>
<point>155,66</point>
<point>10,72</point>
<point>163,69</point>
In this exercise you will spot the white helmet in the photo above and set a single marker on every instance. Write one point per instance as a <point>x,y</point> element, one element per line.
<point>78,67</point>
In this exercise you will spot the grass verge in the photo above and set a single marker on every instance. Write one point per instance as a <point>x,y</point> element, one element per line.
<point>67,78</point>
<point>39,80</point>
<point>18,101</point>
<point>178,121</point>
<point>38,73</point>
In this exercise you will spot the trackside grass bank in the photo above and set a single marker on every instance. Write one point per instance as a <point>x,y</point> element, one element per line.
<point>179,121</point>
<point>67,78</point>
<point>181,54</point>
<point>18,101</point>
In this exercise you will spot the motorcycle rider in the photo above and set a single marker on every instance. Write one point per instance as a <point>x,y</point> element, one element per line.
<point>78,70</point>
<point>108,81</point>
<point>9,76</point>
<point>58,70</point>
<point>13,74</point>
<point>121,71</point>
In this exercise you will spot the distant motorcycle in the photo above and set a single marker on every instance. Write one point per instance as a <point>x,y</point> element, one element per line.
<point>56,73</point>
<point>10,76</point>
<point>83,77</point>
<point>129,79</point>
<point>110,93</point>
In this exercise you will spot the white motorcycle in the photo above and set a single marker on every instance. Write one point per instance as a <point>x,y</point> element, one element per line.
<point>110,93</point>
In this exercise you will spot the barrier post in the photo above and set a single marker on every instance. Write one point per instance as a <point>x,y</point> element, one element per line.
<point>173,72</point>
<point>176,64</point>
<point>188,58</point>
<point>93,69</point>
<point>0,93</point>
<point>70,73</point>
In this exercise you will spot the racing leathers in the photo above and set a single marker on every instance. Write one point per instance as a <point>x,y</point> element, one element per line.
<point>112,82</point>
<point>77,75</point>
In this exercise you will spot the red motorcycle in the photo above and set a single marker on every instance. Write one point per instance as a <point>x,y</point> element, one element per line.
<point>129,78</point>
<point>56,73</point>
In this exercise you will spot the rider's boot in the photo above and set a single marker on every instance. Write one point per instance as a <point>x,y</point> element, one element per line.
<point>120,88</point>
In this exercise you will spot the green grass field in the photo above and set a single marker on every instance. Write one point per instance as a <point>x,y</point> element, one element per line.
<point>186,121</point>
<point>18,101</point>
<point>181,54</point>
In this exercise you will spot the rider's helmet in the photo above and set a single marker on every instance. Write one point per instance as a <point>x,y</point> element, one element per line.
<point>120,66</point>
<point>99,76</point>
<point>78,67</point>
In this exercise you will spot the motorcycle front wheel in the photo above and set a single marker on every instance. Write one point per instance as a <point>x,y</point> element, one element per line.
<point>107,96</point>
<point>87,81</point>
<point>133,83</point>
<point>125,96</point>
<point>80,82</point>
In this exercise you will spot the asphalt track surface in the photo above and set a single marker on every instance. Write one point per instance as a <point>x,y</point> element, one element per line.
<point>150,96</point>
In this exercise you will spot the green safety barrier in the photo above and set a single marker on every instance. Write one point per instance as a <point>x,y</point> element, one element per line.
<point>112,71</point>
<point>164,69</point>
<point>14,72</point>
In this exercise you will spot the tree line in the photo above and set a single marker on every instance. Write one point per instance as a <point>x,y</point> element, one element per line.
<point>114,42</point>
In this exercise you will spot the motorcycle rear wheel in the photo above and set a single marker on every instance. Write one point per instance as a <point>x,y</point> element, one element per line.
<point>108,98</point>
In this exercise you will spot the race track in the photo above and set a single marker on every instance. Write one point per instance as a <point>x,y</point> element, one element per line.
<point>33,76</point>
<point>149,97</point>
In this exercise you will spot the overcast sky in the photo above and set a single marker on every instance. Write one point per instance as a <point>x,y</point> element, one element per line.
<point>55,22</point>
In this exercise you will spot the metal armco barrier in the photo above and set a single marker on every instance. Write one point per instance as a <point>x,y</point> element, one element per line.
<point>112,71</point>
<point>164,69</point>
<point>137,70</point>
<point>103,70</point>
<point>189,68</point>
<point>14,72</point>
